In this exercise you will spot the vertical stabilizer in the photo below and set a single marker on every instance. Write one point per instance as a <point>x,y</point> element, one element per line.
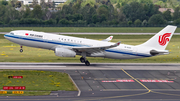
<point>161,39</point>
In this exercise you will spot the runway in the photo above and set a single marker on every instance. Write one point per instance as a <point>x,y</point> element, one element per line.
<point>93,66</point>
<point>110,81</point>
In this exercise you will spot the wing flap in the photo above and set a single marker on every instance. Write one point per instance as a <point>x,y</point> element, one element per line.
<point>95,49</point>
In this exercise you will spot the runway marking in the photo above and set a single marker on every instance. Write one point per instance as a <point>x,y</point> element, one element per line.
<point>148,88</point>
<point>157,81</point>
<point>120,81</point>
<point>136,80</point>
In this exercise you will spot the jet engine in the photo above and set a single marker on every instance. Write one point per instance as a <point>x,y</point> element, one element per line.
<point>63,52</point>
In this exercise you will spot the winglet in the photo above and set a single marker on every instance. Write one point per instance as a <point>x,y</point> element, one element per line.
<point>108,39</point>
<point>116,44</point>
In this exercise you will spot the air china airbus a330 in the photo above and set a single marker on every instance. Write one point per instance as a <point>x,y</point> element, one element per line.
<point>66,46</point>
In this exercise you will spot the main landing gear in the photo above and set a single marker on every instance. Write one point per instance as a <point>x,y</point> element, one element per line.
<point>83,60</point>
<point>21,50</point>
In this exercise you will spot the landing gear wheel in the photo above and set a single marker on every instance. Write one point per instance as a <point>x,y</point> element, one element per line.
<point>82,60</point>
<point>21,50</point>
<point>87,63</point>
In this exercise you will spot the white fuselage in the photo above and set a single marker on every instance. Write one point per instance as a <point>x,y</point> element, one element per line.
<point>52,41</point>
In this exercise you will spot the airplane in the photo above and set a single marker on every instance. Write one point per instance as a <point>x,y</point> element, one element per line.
<point>67,46</point>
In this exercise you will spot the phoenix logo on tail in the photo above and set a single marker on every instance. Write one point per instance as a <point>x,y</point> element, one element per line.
<point>163,39</point>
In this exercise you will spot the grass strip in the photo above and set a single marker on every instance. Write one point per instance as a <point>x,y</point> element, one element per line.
<point>9,52</point>
<point>27,93</point>
<point>36,82</point>
<point>89,29</point>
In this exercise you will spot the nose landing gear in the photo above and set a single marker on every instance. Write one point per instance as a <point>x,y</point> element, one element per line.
<point>21,50</point>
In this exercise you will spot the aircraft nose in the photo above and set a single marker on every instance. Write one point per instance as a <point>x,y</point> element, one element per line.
<point>6,35</point>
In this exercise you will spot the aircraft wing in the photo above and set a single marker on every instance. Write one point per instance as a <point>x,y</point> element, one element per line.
<point>108,39</point>
<point>94,49</point>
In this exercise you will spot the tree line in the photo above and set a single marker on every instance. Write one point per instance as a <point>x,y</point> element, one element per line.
<point>88,13</point>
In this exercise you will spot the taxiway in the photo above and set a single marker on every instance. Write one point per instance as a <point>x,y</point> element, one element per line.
<point>112,81</point>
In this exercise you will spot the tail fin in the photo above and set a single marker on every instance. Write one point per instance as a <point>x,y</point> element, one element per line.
<point>161,39</point>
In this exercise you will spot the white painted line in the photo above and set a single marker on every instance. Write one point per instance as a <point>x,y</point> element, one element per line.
<point>156,81</point>
<point>79,93</point>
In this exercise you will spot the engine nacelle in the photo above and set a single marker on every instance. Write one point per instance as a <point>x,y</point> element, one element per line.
<point>63,52</point>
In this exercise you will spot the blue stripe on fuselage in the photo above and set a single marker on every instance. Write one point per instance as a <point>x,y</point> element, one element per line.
<point>70,44</point>
<point>128,53</point>
<point>43,40</point>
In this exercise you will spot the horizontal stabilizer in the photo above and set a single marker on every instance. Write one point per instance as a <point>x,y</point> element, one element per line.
<point>159,52</point>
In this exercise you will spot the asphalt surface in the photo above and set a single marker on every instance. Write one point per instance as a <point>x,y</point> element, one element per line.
<point>122,82</point>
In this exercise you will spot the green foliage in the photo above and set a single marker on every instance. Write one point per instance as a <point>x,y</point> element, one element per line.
<point>76,6</point>
<point>27,13</point>
<point>176,22</point>
<point>167,15</point>
<point>157,19</point>
<point>67,9</point>
<point>130,23</point>
<point>176,14</point>
<point>50,22</point>
<point>145,1</point>
<point>1,23</point>
<point>134,11</point>
<point>94,12</point>
<point>137,22</point>
<point>30,21</point>
<point>103,10</point>
<point>117,5</point>
<point>161,3</point>
<point>77,17</point>
<point>167,3</point>
<point>2,12</point>
<point>88,2</point>
<point>37,12</point>
<point>103,18</point>
<point>87,13</point>
<point>95,18</point>
<point>144,23</point>
<point>150,9</point>
<point>164,0</point>
<point>81,22</point>
<point>64,21</point>
<point>14,22</point>
<point>4,2</point>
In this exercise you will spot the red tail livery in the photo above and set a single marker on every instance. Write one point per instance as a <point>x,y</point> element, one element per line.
<point>163,39</point>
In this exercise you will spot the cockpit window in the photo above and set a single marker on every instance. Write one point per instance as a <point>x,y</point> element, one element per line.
<point>12,33</point>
